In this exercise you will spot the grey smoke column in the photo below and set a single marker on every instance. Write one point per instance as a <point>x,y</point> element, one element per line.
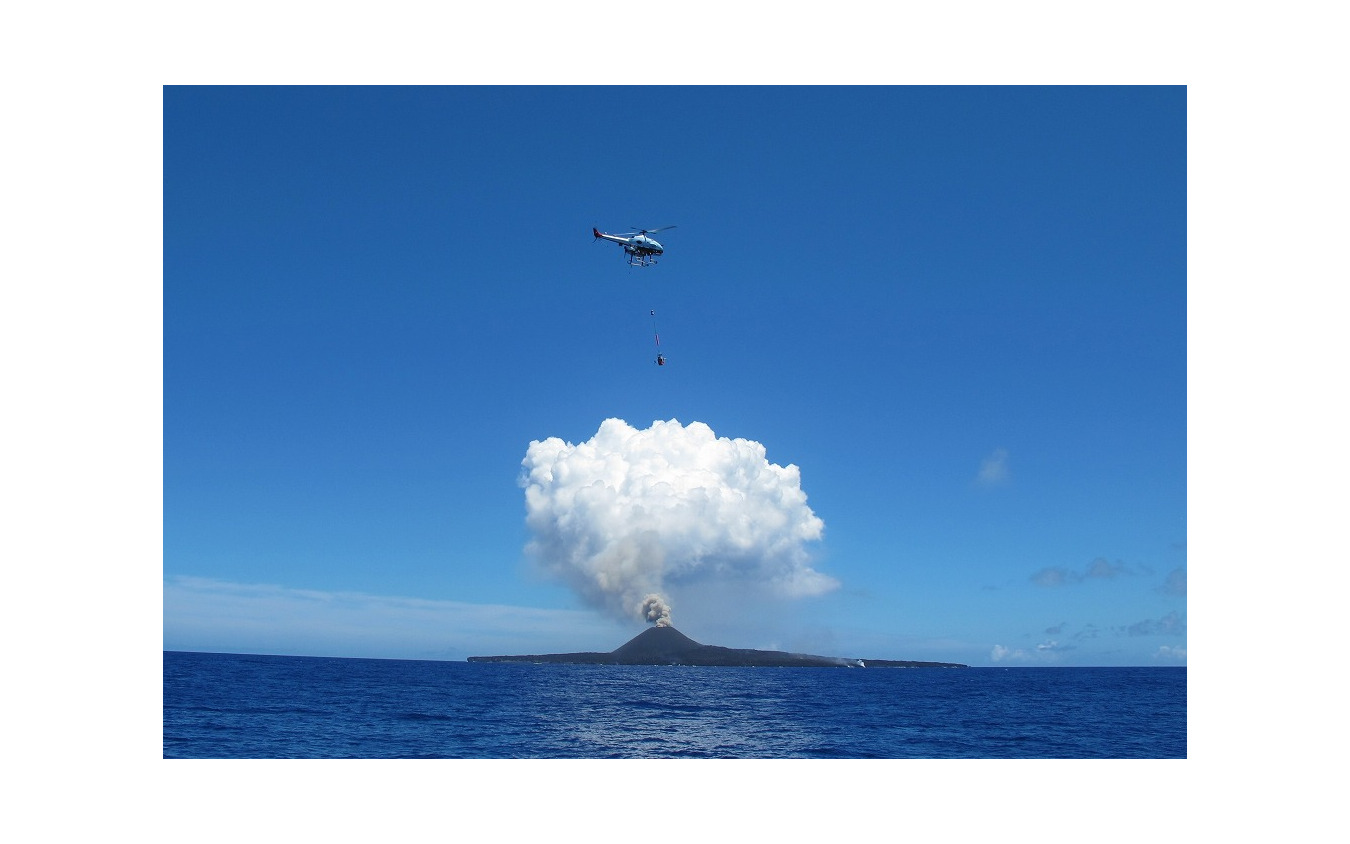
<point>621,515</point>
<point>656,610</point>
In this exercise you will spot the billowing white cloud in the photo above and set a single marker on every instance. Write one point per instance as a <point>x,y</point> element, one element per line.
<point>629,511</point>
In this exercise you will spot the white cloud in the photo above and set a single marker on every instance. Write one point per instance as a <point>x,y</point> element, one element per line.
<point>1002,654</point>
<point>1045,652</point>
<point>994,469</point>
<point>1099,569</point>
<point>632,512</point>
<point>201,614</point>
<point>1054,576</point>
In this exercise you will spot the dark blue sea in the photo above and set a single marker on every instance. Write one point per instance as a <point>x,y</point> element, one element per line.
<point>219,706</point>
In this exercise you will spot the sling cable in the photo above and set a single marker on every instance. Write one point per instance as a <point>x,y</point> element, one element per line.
<point>660,358</point>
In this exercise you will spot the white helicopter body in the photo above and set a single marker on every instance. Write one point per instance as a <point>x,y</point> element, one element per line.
<point>640,249</point>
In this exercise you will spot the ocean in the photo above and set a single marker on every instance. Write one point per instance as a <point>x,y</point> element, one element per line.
<point>237,706</point>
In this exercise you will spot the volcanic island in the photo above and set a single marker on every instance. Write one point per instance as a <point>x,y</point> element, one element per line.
<point>664,645</point>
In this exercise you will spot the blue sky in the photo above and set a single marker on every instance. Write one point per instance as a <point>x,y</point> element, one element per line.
<point>960,312</point>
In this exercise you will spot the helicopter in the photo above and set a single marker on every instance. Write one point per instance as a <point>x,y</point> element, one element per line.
<point>640,248</point>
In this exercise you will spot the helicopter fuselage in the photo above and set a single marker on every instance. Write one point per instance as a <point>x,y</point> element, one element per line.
<point>640,248</point>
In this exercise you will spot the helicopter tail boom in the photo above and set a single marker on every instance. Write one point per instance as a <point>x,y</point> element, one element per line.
<point>599,235</point>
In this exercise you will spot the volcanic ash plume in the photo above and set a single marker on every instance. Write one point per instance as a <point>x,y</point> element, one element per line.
<point>655,610</point>
<point>620,516</point>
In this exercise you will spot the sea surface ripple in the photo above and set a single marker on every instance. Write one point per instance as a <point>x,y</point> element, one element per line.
<point>249,706</point>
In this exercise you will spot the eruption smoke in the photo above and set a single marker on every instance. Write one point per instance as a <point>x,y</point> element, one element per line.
<point>620,515</point>
<point>656,610</point>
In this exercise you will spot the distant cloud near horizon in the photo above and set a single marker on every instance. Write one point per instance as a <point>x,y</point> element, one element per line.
<point>1048,651</point>
<point>1051,650</point>
<point>1175,584</point>
<point>1099,569</point>
<point>205,614</point>
<point>1172,624</point>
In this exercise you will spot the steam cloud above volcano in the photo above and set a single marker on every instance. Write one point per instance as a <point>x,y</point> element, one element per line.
<point>621,515</point>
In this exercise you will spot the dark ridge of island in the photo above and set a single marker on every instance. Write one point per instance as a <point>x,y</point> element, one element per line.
<point>668,646</point>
